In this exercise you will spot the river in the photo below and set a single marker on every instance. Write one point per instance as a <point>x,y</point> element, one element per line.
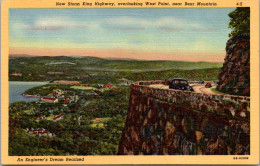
<point>16,88</point>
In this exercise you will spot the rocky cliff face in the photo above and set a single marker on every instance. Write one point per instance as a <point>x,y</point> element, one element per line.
<point>235,75</point>
<point>157,127</point>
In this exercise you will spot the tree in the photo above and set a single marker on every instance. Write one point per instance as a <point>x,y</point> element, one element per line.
<point>240,21</point>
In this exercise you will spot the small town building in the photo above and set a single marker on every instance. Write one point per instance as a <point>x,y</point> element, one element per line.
<point>49,100</point>
<point>108,85</point>
<point>57,118</point>
<point>39,117</point>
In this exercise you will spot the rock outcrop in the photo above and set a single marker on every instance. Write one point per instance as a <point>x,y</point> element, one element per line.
<point>174,122</point>
<point>235,75</point>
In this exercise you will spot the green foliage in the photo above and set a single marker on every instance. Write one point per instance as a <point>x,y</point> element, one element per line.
<point>75,133</point>
<point>46,89</point>
<point>93,70</point>
<point>240,21</point>
<point>72,137</point>
<point>198,74</point>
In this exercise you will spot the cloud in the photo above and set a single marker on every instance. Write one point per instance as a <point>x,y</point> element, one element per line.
<point>131,23</point>
<point>52,24</point>
<point>200,28</point>
<point>49,28</point>
<point>127,28</point>
<point>204,29</point>
<point>169,24</point>
<point>170,29</point>
<point>169,21</point>
<point>126,23</point>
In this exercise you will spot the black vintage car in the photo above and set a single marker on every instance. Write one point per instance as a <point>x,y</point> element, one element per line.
<point>181,84</point>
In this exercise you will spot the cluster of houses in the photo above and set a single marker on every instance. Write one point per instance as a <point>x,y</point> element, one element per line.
<point>57,95</point>
<point>109,85</point>
<point>85,85</point>
<point>39,132</point>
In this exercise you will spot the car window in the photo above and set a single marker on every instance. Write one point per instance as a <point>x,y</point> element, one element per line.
<point>176,81</point>
<point>184,82</point>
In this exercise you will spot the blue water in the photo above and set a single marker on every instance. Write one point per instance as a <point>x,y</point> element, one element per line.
<point>16,88</point>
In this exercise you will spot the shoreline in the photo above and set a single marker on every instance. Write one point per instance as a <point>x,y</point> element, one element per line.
<point>17,81</point>
<point>31,96</point>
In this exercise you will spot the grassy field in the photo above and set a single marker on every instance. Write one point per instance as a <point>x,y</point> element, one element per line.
<point>105,89</point>
<point>83,87</point>
<point>28,111</point>
<point>51,117</point>
<point>99,122</point>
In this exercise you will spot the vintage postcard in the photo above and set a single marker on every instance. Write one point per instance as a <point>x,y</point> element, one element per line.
<point>129,82</point>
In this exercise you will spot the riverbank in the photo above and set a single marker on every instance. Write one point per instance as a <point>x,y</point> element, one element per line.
<point>32,96</point>
<point>17,91</point>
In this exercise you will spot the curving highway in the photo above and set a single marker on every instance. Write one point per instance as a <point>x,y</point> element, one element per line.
<point>199,88</point>
<point>203,89</point>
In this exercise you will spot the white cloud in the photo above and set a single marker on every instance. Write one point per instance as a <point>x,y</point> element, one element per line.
<point>124,20</point>
<point>169,21</point>
<point>164,23</point>
<point>126,23</point>
<point>50,21</point>
<point>199,28</point>
<point>59,23</point>
<point>170,24</point>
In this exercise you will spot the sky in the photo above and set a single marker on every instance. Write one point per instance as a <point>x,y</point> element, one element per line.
<point>148,34</point>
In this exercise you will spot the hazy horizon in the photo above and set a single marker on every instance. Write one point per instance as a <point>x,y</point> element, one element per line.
<point>107,58</point>
<point>142,34</point>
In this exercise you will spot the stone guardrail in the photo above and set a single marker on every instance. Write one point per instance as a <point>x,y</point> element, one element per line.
<point>226,105</point>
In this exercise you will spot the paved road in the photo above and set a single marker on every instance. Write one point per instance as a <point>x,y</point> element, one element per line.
<point>200,88</point>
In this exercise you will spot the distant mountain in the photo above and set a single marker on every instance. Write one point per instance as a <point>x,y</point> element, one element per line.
<point>21,55</point>
<point>58,56</point>
<point>114,58</point>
